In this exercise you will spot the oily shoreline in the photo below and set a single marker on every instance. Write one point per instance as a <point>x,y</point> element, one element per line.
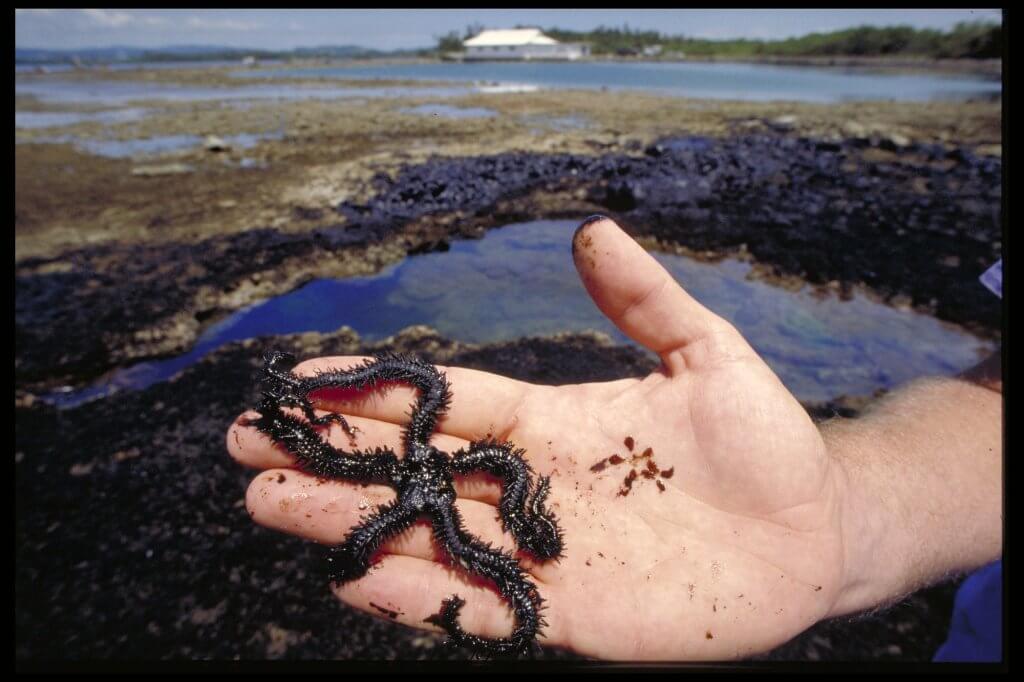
<point>912,223</point>
<point>132,539</point>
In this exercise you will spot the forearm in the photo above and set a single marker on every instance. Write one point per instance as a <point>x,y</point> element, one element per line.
<point>922,477</point>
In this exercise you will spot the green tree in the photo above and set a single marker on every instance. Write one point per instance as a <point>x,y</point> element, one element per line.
<point>449,42</point>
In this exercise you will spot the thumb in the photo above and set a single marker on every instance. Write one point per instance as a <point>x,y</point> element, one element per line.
<point>643,300</point>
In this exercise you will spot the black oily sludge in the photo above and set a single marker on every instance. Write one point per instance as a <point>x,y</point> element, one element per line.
<point>921,222</point>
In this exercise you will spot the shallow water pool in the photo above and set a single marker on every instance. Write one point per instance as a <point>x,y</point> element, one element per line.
<point>53,119</point>
<point>117,93</point>
<point>448,111</point>
<point>520,281</point>
<point>153,146</point>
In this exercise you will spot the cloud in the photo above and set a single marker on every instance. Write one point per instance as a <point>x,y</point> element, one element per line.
<point>221,24</point>
<point>114,19</point>
<point>107,18</point>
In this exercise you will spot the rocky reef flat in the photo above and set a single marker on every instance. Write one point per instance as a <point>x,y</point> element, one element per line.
<point>911,223</point>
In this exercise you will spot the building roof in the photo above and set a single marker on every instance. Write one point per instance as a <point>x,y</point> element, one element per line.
<point>515,36</point>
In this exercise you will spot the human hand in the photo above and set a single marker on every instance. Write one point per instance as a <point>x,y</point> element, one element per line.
<point>740,551</point>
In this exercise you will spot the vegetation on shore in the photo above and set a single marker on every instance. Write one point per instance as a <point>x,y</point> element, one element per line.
<point>975,40</point>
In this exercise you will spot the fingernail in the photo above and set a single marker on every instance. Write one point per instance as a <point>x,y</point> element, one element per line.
<point>592,219</point>
<point>589,221</point>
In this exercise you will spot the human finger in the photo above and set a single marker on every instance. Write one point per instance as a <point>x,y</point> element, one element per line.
<point>483,404</point>
<point>410,590</point>
<point>326,511</point>
<point>254,449</point>
<point>643,300</point>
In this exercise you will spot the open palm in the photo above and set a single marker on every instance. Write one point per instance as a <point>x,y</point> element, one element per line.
<point>699,507</point>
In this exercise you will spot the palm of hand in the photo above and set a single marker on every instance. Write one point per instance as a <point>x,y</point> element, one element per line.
<point>740,551</point>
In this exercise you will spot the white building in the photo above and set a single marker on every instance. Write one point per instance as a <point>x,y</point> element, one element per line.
<point>521,43</point>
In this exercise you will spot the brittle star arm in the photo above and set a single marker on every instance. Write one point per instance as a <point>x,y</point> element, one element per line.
<point>522,505</point>
<point>318,457</point>
<point>500,568</point>
<point>285,389</point>
<point>351,559</point>
<point>434,390</point>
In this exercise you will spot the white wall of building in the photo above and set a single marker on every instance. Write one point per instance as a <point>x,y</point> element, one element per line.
<point>562,51</point>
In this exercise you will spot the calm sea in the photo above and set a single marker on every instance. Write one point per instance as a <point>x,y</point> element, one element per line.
<point>699,80</point>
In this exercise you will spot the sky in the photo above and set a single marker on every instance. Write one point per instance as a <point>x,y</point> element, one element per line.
<point>405,28</point>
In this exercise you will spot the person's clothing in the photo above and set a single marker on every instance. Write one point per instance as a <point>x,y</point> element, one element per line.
<point>993,278</point>
<point>976,632</point>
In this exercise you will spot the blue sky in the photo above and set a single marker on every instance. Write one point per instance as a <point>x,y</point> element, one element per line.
<point>395,29</point>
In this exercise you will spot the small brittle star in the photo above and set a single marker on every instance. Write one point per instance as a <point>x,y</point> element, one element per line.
<point>423,479</point>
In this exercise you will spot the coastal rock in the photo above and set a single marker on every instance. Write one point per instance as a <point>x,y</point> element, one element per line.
<point>783,123</point>
<point>855,129</point>
<point>215,144</point>
<point>156,170</point>
<point>893,141</point>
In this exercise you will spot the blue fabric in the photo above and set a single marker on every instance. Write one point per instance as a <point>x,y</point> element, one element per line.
<point>993,278</point>
<point>976,633</point>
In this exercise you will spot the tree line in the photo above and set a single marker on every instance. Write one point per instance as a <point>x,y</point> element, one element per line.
<point>967,40</point>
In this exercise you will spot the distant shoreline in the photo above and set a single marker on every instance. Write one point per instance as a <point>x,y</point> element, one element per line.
<point>981,67</point>
<point>993,67</point>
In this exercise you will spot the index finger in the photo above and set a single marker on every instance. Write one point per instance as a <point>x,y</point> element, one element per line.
<point>482,405</point>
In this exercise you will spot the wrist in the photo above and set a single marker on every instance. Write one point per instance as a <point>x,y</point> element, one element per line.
<point>868,522</point>
<point>920,482</point>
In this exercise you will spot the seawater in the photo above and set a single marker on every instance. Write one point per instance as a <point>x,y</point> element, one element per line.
<point>153,146</point>
<point>720,80</point>
<point>519,280</point>
<point>120,93</point>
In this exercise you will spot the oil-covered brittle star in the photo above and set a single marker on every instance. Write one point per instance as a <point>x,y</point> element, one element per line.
<point>423,480</point>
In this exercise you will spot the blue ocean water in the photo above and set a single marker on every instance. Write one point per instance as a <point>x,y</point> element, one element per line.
<point>723,80</point>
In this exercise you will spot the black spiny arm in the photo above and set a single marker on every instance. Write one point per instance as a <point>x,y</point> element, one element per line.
<point>504,571</point>
<point>316,456</point>
<point>434,397</point>
<point>522,511</point>
<point>351,559</point>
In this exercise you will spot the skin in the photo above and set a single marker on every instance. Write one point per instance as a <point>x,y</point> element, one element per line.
<point>766,525</point>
